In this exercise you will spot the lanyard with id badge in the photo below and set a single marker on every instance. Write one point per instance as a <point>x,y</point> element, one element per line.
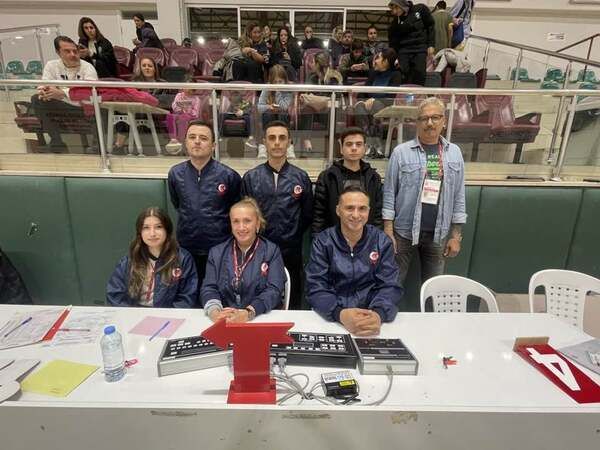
<point>432,188</point>
<point>238,270</point>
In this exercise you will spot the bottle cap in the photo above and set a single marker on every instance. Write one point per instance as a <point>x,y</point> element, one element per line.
<point>109,330</point>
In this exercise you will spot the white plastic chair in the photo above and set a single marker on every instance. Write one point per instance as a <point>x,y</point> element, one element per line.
<point>565,293</point>
<point>286,290</point>
<point>449,293</point>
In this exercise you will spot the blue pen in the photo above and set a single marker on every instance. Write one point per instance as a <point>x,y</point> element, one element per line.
<point>165,325</point>
<point>19,326</point>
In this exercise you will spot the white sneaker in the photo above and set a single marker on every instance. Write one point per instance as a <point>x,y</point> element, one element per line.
<point>173,147</point>
<point>262,151</point>
<point>290,152</point>
<point>250,143</point>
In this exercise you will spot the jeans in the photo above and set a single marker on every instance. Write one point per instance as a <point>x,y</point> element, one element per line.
<point>430,254</point>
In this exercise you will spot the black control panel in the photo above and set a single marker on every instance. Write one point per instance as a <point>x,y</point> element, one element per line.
<point>188,346</point>
<point>376,355</point>
<point>318,349</point>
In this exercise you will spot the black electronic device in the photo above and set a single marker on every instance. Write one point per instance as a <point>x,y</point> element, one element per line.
<point>317,349</point>
<point>190,353</point>
<point>376,354</point>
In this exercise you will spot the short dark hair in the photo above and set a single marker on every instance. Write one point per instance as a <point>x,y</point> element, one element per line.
<point>372,27</point>
<point>390,55</point>
<point>140,16</point>
<point>357,44</point>
<point>352,131</point>
<point>201,123</point>
<point>277,123</point>
<point>353,189</point>
<point>59,39</point>
<point>440,5</point>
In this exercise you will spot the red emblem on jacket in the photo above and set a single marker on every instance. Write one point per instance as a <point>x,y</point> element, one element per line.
<point>264,269</point>
<point>374,257</point>
<point>297,192</point>
<point>221,188</point>
<point>176,273</point>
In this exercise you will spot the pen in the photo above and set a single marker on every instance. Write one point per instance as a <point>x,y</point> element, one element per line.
<point>74,329</point>
<point>164,325</point>
<point>19,326</point>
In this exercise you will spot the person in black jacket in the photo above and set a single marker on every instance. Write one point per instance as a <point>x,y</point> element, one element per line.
<point>351,170</point>
<point>383,74</point>
<point>96,49</point>
<point>310,41</point>
<point>411,33</point>
<point>145,34</point>
<point>287,54</point>
<point>12,288</point>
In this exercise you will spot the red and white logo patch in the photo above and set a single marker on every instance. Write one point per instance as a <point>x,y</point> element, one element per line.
<point>176,273</point>
<point>374,257</point>
<point>221,188</point>
<point>264,269</point>
<point>297,192</point>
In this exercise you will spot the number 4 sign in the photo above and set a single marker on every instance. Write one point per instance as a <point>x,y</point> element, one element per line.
<point>559,370</point>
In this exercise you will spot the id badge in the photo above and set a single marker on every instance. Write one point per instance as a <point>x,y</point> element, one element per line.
<point>431,191</point>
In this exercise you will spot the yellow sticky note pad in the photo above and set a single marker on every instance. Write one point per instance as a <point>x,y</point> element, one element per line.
<point>57,378</point>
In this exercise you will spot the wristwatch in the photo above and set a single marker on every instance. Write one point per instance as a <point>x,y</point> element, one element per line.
<point>251,312</point>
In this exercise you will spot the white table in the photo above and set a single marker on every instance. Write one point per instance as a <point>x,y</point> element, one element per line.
<point>131,109</point>
<point>396,114</point>
<point>492,399</point>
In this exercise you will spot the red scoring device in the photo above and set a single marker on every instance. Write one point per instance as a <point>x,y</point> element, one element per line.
<point>251,382</point>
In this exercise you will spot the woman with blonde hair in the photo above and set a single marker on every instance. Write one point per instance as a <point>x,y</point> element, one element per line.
<point>245,275</point>
<point>156,271</point>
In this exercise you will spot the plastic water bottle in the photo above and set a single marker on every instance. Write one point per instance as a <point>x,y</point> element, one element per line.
<point>112,354</point>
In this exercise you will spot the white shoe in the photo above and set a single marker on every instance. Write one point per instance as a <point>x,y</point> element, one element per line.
<point>262,151</point>
<point>290,152</point>
<point>173,147</point>
<point>250,143</point>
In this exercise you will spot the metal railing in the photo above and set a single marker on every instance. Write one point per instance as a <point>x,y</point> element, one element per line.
<point>334,91</point>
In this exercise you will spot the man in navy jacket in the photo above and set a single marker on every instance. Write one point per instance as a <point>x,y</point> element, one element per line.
<point>284,194</point>
<point>352,276</point>
<point>202,191</point>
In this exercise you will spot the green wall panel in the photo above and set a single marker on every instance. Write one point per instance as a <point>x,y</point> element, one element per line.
<point>584,254</point>
<point>521,230</point>
<point>460,264</point>
<point>103,213</point>
<point>43,254</point>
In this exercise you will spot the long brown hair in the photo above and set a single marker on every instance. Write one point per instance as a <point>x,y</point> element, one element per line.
<point>137,71</point>
<point>139,255</point>
<point>81,32</point>
<point>277,71</point>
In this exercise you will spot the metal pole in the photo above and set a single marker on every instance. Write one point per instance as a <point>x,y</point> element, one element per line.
<point>486,54</point>
<point>215,117</point>
<point>517,69</point>
<point>38,41</point>
<point>100,128</point>
<point>565,140</point>
<point>450,118</point>
<point>3,68</point>
<point>331,141</point>
<point>559,114</point>
<point>589,52</point>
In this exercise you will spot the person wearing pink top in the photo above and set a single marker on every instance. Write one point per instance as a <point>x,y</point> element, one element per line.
<point>186,107</point>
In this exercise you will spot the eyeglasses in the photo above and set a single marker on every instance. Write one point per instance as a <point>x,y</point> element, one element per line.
<point>437,118</point>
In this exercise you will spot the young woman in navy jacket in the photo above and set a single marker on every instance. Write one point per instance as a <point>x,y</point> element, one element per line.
<point>156,272</point>
<point>244,275</point>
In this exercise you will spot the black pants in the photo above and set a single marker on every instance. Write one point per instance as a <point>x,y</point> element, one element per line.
<point>248,70</point>
<point>413,67</point>
<point>200,261</point>
<point>292,259</point>
<point>51,112</point>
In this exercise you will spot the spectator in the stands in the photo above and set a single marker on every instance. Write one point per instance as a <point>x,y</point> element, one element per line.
<point>314,109</point>
<point>202,190</point>
<point>256,55</point>
<point>373,46</point>
<point>343,48</point>
<point>310,41</point>
<point>145,70</point>
<point>51,103</point>
<point>274,105</point>
<point>411,34</point>
<point>145,34</point>
<point>186,42</point>
<point>352,277</point>
<point>186,107</point>
<point>335,41</point>
<point>351,170</point>
<point>156,272</point>
<point>287,54</point>
<point>96,49</point>
<point>267,38</point>
<point>443,27</point>
<point>245,275</point>
<point>383,74</point>
<point>355,63</point>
